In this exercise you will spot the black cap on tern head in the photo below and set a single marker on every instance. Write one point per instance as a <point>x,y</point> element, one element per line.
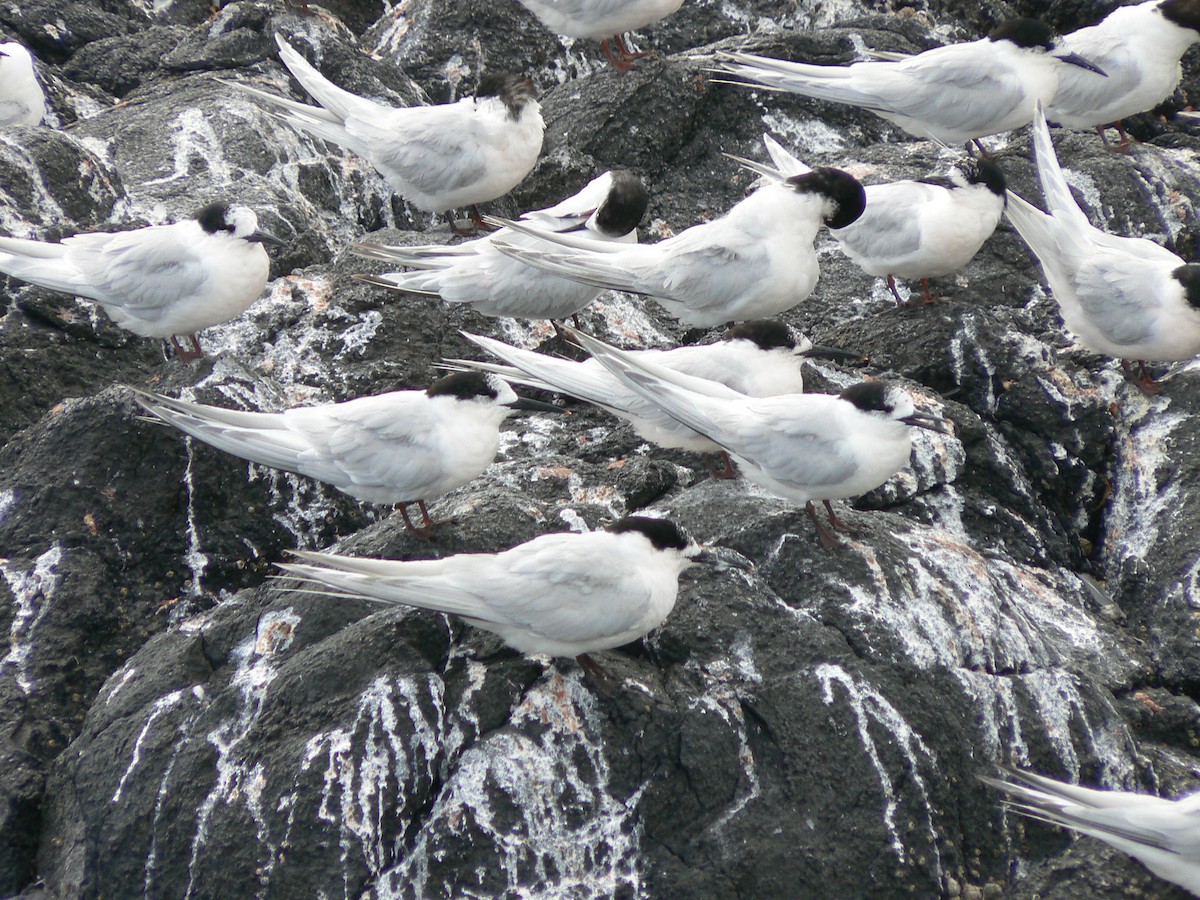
<point>1184,13</point>
<point>214,218</point>
<point>663,534</point>
<point>841,187</point>
<point>1027,33</point>
<point>985,171</point>
<point>767,334</point>
<point>514,90</point>
<point>1189,277</point>
<point>869,396</point>
<point>623,208</point>
<point>464,386</point>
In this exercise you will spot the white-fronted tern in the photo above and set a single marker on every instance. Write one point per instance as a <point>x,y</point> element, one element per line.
<point>754,262</point>
<point>1124,297</point>
<point>953,94</point>
<point>556,595</point>
<point>1139,48</point>
<point>161,281</point>
<point>439,157</point>
<point>400,448</point>
<point>22,101</point>
<point>606,20</point>
<point>801,447</point>
<point>475,273</point>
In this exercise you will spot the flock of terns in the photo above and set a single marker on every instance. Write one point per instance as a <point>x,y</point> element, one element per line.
<point>741,397</point>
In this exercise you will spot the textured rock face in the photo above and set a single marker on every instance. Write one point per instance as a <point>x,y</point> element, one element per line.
<point>172,723</point>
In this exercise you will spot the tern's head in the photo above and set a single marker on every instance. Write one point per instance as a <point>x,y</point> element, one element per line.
<point>672,541</point>
<point>515,91</point>
<point>235,221</point>
<point>1039,38</point>
<point>1184,13</point>
<point>1189,277</point>
<point>844,196</point>
<point>985,171</point>
<point>768,335</point>
<point>486,391</point>
<point>623,208</point>
<point>889,403</point>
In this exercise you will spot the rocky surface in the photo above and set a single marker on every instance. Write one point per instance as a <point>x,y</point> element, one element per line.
<point>173,723</point>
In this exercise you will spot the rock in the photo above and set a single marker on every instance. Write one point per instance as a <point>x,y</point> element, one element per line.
<point>171,717</point>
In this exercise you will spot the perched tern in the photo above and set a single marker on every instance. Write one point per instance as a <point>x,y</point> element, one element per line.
<point>925,229</point>
<point>557,595</point>
<point>754,359</point>
<point>437,157</point>
<point>754,262</point>
<point>21,99</point>
<point>801,447</point>
<point>911,229</point>
<point>1124,297</point>
<point>1163,835</point>
<point>607,20</point>
<point>953,94</point>
<point>402,447</point>
<point>477,274</point>
<point>1139,48</point>
<point>161,281</point>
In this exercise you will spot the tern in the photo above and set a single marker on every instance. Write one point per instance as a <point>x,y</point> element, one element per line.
<point>22,101</point>
<point>953,94</point>
<point>1163,835</point>
<point>911,229</point>
<point>1120,296</point>
<point>401,448</point>
<point>754,359</point>
<point>438,158</point>
<point>161,281</point>
<point>564,595</point>
<point>478,275</point>
<point>754,262</point>
<point>1139,48</point>
<point>800,447</point>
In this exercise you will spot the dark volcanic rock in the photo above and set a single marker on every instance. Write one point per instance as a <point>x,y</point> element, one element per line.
<point>173,723</point>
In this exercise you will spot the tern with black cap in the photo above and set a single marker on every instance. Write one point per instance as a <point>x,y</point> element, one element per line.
<point>606,20</point>
<point>564,595</point>
<point>762,358</point>
<point>438,158</point>
<point>476,274</point>
<point>402,448</point>
<point>801,447</point>
<point>911,229</point>
<point>1121,296</point>
<point>953,94</point>
<point>754,262</point>
<point>162,281</point>
<point>1139,47</point>
<point>1161,834</point>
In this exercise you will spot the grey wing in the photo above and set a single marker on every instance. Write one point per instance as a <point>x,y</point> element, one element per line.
<point>382,441</point>
<point>144,271</point>
<point>957,92</point>
<point>1116,293</point>
<point>574,594</point>
<point>791,448</point>
<point>708,266</point>
<point>434,148</point>
<point>888,227</point>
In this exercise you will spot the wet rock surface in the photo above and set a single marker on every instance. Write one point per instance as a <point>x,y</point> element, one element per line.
<point>175,723</point>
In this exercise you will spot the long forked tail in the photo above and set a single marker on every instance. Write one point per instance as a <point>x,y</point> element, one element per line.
<point>41,264</point>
